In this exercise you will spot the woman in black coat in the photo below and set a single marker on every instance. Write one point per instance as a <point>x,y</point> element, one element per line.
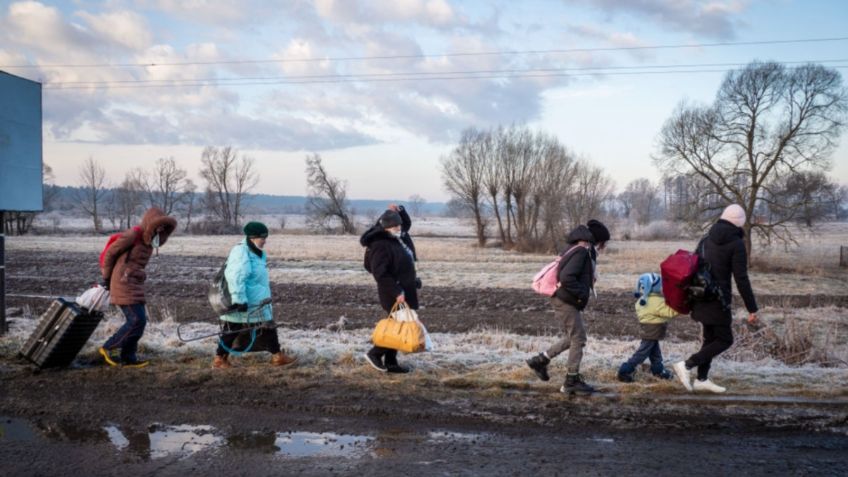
<point>724,251</point>
<point>392,263</point>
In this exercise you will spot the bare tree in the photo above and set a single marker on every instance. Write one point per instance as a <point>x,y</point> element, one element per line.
<point>809,194</point>
<point>768,122</point>
<point>639,198</point>
<point>127,199</point>
<point>190,204</point>
<point>91,194</point>
<point>326,200</point>
<point>416,204</point>
<point>228,179</point>
<point>462,174</point>
<point>165,187</point>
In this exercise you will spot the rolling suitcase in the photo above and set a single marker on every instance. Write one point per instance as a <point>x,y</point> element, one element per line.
<point>62,332</point>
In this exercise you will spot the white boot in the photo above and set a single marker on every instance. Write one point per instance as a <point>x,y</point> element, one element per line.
<point>683,374</point>
<point>708,385</point>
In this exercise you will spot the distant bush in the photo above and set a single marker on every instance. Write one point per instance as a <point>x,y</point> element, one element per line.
<point>656,230</point>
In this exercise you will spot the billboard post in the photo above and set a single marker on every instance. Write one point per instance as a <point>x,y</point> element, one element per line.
<point>3,326</point>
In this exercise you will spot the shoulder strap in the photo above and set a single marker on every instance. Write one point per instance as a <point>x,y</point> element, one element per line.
<point>563,260</point>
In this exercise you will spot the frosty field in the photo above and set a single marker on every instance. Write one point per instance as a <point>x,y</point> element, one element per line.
<point>470,400</point>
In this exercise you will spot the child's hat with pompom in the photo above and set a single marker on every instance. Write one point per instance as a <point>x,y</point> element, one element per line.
<point>648,283</point>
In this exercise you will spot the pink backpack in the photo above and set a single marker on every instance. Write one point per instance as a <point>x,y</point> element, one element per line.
<point>547,280</point>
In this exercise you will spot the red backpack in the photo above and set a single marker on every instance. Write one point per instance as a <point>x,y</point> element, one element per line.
<point>677,271</point>
<point>116,236</point>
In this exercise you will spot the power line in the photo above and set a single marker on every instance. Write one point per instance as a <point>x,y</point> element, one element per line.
<point>439,55</point>
<point>413,78</point>
<point>366,76</point>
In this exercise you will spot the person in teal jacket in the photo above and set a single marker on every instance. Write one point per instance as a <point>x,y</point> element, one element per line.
<point>653,314</point>
<point>250,292</point>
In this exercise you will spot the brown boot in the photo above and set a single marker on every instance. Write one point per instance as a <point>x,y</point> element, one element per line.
<point>221,362</point>
<point>281,359</point>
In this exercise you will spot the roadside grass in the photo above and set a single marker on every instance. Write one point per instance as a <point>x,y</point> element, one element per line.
<point>485,361</point>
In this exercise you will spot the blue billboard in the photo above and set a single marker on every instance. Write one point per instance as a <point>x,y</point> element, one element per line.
<point>20,144</point>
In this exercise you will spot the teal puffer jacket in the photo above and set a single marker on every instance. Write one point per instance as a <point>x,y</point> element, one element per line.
<point>247,279</point>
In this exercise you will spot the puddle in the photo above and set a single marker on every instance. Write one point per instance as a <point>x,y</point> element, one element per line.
<point>308,444</point>
<point>446,436</point>
<point>159,440</point>
<point>16,430</point>
<point>183,440</point>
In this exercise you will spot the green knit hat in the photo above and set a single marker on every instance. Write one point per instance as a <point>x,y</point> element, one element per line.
<point>255,229</point>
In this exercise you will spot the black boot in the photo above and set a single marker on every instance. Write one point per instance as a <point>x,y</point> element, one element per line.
<point>539,365</point>
<point>574,384</point>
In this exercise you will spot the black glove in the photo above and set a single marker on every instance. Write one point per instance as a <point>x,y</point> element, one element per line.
<point>104,282</point>
<point>238,307</point>
<point>418,283</point>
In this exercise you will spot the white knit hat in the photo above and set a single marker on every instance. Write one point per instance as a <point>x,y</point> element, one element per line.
<point>734,214</point>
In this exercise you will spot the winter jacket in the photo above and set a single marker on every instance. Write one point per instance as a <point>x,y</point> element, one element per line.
<point>653,317</point>
<point>392,264</point>
<point>576,272</point>
<point>406,224</point>
<point>248,283</point>
<point>724,251</point>
<point>126,258</point>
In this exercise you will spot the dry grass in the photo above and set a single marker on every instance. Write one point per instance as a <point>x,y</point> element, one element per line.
<point>458,262</point>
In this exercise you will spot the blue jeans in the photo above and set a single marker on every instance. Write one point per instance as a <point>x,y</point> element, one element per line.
<point>648,349</point>
<point>128,335</point>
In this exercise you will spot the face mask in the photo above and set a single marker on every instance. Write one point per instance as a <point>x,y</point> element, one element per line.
<point>396,234</point>
<point>155,242</point>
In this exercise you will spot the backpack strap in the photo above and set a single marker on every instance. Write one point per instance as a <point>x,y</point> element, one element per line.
<point>138,236</point>
<point>563,261</point>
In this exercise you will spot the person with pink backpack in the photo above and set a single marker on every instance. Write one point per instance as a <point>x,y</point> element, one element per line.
<point>575,279</point>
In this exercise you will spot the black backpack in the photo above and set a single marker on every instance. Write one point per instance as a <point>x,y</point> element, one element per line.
<point>703,287</point>
<point>219,292</point>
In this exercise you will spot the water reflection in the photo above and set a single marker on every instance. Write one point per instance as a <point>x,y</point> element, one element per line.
<point>160,440</point>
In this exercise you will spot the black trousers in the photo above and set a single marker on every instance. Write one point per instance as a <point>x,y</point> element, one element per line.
<point>387,355</point>
<point>266,338</point>
<point>717,339</point>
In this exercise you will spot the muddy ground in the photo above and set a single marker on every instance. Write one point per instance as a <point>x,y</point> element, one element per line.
<point>53,421</point>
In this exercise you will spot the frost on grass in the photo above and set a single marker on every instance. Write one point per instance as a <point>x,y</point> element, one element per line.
<point>485,359</point>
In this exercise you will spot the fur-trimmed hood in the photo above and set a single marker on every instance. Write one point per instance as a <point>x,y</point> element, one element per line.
<point>155,219</point>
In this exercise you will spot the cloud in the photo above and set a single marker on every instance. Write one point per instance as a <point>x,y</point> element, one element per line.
<point>121,27</point>
<point>714,19</point>
<point>432,13</point>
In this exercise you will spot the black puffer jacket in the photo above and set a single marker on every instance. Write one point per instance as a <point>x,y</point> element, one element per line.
<point>406,224</point>
<point>391,265</point>
<point>576,272</point>
<point>724,250</point>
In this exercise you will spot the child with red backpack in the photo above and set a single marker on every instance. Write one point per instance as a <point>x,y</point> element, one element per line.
<point>122,267</point>
<point>653,314</point>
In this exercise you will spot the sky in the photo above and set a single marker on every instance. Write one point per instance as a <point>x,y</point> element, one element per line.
<point>128,82</point>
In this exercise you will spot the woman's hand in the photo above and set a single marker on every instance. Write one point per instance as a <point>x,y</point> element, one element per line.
<point>401,298</point>
<point>752,319</point>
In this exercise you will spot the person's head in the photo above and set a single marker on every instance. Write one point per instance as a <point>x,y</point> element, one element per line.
<point>390,221</point>
<point>735,214</point>
<point>600,233</point>
<point>257,233</point>
<point>648,284</point>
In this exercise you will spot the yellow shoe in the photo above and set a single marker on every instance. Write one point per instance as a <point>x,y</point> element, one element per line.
<point>105,353</point>
<point>135,364</point>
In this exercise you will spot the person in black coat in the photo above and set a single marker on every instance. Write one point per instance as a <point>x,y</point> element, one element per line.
<point>576,275</point>
<point>724,251</point>
<point>392,263</point>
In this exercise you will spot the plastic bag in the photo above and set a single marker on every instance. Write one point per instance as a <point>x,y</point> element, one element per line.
<point>94,299</point>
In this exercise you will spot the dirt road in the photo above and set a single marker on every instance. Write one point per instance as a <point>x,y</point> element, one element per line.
<point>179,418</point>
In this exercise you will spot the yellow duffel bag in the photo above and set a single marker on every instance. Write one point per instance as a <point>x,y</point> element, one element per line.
<point>401,330</point>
